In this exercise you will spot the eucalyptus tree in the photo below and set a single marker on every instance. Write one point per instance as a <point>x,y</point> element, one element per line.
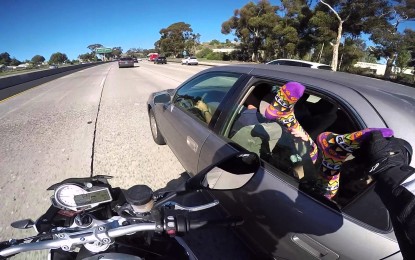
<point>252,25</point>
<point>57,58</point>
<point>176,38</point>
<point>293,30</point>
<point>37,59</point>
<point>116,52</point>
<point>92,47</point>
<point>388,39</point>
<point>338,17</point>
<point>5,58</point>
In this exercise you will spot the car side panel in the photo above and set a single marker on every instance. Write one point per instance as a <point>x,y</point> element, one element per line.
<point>296,226</point>
<point>184,139</point>
<point>284,223</point>
<point>281,221</point>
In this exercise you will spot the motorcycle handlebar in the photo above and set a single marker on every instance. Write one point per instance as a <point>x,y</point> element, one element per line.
<point>66,241</point>
<point>228,222</point>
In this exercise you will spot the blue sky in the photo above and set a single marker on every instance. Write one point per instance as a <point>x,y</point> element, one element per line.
<point>31,27</point>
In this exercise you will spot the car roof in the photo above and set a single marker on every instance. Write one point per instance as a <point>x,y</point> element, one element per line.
<point>384,96</point>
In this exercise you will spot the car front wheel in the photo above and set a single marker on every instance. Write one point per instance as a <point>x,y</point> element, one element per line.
<point>155,132</point>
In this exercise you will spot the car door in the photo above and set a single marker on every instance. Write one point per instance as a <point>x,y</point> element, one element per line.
<point>286,219</point>
<point>185,126</point>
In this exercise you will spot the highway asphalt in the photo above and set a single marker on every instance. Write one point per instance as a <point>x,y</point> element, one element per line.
<point>93,121</point>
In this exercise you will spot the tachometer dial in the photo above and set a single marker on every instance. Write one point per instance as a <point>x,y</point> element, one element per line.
<point>65,195</point>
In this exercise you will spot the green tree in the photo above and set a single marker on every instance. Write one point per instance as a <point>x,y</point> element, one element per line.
<point>116,52</point>
<point>176,38</point>
<point>348,16</point>
<point>37,59</point>
<point>5,58</point>
<point>92,47</point>
<point>57,58</point>
<point>351,51</point>
<point>214,42</point>
<point>292,32</point>
<point>386,36</point>
<point>251,25</point>
<point>403,60</point>
<point>15,62</point>
<point>87,56</point>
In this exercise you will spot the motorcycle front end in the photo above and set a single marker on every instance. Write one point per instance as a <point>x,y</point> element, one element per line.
<point>89,219</point>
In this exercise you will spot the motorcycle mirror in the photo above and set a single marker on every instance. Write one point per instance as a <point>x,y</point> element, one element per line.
<point>228,174</point>
<point>23,224</point>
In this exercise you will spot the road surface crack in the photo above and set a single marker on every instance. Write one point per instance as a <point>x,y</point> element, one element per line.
<point>96,122</point>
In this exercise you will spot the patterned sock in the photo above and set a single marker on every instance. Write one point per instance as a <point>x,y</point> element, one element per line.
<point>335,149</point>
<point>282,110</point>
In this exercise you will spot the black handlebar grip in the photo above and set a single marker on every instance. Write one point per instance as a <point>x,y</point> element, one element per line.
<point>224,222</point>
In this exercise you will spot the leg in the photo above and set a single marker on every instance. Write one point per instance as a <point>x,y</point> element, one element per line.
<point>335,149</point>
<point>282,110</point>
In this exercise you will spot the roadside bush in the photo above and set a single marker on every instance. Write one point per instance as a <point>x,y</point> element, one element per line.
<point>406,79</point>
<point>214,56</point>
<point>360,71</point>
<point>203,53</point>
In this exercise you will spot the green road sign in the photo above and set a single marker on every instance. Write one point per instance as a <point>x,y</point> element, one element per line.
<point>103,50</point>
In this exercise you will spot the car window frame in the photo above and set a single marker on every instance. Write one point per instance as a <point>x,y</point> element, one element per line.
<point>216,114</point>
<point>349,209</point>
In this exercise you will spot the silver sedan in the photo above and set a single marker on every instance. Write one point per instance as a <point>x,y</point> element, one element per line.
<point>285,218</point>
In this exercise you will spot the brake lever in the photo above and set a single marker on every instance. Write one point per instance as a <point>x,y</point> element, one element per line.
<point>177,206</point>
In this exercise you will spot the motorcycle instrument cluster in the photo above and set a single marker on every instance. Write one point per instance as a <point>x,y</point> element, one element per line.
<point>75,197</point>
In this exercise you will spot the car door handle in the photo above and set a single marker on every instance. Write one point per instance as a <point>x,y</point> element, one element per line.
<point>313,247</point>
<point>192,144</point>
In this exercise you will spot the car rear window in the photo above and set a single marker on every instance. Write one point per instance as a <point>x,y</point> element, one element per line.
<point>126,59</point>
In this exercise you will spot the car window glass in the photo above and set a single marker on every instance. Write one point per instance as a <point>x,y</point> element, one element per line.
<point>324,67</point>
<point>275,145</point>
<point>202,95</point>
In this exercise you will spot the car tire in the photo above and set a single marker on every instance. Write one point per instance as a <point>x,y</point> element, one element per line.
<point>155,131</point>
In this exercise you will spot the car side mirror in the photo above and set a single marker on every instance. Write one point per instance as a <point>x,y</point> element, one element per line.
<point>162,98</point>
<point>229,174</point>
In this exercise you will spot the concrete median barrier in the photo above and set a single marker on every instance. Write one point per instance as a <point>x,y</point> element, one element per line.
<point>13,85</point>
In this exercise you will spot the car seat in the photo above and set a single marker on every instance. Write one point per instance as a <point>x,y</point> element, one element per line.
<point>315,117</point>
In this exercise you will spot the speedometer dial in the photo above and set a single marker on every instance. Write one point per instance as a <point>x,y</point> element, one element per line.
<point>65,195</point>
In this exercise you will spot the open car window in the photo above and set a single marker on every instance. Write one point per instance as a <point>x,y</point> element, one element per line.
<point>201,96</point>
<point>276,146</point>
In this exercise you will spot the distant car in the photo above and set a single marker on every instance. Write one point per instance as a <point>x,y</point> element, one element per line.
<point>135,59</point>
<point>53,66</point>
<point>126,62</point>
<point>300,63</point>
<point>283,217</point>
<point>152,56</point>
<point>160,60</point>
<point>190,61</point>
